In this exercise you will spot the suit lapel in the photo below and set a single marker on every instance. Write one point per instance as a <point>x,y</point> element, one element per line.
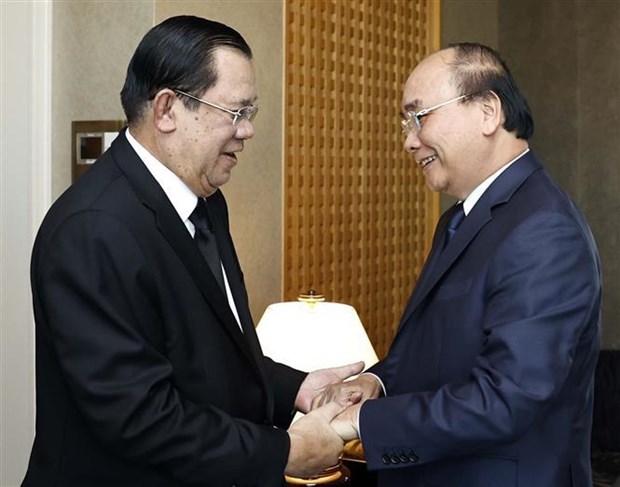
<point>173,229</point>
<point>436,250</point>
<point>471,225</point>
<point>219,217</point>
<point>219,213</point>
<point>439,262</point>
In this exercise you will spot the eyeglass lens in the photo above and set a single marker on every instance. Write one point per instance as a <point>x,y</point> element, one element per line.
<point>411,122</point>
<point>247,113</point>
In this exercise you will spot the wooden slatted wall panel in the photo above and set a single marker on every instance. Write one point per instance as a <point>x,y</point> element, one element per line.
<point>357,219</point>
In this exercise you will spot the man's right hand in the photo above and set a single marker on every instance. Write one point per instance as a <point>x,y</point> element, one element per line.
<point>366,385</point>
<point>314,444</point>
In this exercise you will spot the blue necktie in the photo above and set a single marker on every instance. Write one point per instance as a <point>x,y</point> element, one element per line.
<point>205,239</point>
<point>454,222</point>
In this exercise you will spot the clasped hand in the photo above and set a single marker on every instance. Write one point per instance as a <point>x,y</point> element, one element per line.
<point>317,438</point>
<point>358,390</point>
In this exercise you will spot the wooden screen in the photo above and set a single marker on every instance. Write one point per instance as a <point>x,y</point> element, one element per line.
<point>357,218</point>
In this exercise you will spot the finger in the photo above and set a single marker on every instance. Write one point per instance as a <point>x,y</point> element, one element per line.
<point>345,423</point>
<point>349,398</point>
<point>317,401</point>
<point>342,426</point>
<point>329,411</point>
<point>355,397</point>
<point>344,430</point>
<point>348,370</point>
<point>322,399</point>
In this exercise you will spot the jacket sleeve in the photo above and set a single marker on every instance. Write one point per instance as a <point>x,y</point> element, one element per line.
<point>285,382</point>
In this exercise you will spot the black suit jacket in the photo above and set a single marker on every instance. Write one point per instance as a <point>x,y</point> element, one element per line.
<point>143,375</point>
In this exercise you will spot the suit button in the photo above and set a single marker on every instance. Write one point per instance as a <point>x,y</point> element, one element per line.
<point>395,459</point>
<point>403,458</point>
<point>385,458</point>
<point>413,457</point>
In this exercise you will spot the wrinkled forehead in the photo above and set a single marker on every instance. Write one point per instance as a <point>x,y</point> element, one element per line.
<point>235,76</point>
<point>429,83</point>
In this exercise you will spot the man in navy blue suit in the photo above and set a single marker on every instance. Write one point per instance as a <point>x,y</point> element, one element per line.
<point>489,379</point>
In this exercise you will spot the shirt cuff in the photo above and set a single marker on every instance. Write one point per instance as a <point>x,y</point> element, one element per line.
<point>378,379</point>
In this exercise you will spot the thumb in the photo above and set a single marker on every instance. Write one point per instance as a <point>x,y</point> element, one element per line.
<point>330,410</point>
<point>348,370</point>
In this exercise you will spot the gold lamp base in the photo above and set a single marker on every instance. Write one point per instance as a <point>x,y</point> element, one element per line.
<point>354,451</point>
<point>339,474</point>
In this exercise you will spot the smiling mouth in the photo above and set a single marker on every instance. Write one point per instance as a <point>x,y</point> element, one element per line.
<point>230,154</point>
<point>426,161</point>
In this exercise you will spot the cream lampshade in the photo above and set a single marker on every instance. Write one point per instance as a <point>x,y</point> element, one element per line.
<point>312,334</point>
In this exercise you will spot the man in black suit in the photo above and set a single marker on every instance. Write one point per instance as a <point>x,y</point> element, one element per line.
<point>149,371</point>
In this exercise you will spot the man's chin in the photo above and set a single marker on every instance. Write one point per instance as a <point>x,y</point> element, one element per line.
<point>214,183</point>
<point>433,186</point>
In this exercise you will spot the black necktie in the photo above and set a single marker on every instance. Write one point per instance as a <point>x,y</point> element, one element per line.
<point>205,238</point>
<point>454,222</point>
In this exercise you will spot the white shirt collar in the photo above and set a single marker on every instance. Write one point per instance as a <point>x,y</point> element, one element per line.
<point>181,197</point>
<point>475,195</point>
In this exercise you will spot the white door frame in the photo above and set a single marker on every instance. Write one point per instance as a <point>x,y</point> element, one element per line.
<point>25,195</point>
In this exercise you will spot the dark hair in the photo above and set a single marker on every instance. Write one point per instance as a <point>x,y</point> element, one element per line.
<point>176,54</point>
<point>478,69</point>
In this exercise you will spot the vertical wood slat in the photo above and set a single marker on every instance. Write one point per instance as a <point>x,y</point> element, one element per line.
<point>357,220</point>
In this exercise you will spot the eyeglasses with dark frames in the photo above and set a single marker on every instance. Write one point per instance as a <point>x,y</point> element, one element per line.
<point>244,113</point>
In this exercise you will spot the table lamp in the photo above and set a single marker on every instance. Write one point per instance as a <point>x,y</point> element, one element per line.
<point>310,334</point>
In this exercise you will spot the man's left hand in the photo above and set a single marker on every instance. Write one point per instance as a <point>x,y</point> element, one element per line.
<point>346,423</point>
<point>316,381</point>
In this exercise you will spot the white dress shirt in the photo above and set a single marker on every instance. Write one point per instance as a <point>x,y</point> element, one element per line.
<point>182,198</point>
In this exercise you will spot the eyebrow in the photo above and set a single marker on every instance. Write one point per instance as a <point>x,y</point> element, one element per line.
<point>247,101</point>
<point>413,106</point>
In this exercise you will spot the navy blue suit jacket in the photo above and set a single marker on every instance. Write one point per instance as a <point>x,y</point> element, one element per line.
<point>144,377</point>
<point>490,375</point>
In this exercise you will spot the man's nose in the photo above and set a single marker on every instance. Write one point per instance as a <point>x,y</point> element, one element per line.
<point>412,141</point>
<point>245,129</point>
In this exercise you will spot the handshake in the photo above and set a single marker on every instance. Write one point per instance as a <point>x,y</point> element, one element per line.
<point>332,408</point>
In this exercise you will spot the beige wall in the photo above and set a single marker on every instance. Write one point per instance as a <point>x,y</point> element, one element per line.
<point>93,43</point>
<point>468,21</point>
<point>565,56</point>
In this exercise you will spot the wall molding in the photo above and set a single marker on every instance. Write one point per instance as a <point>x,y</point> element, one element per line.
<point>25,195</point>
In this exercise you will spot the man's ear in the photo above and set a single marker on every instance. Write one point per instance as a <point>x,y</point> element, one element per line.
<point>493,116</point>
<point>164,116</point>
